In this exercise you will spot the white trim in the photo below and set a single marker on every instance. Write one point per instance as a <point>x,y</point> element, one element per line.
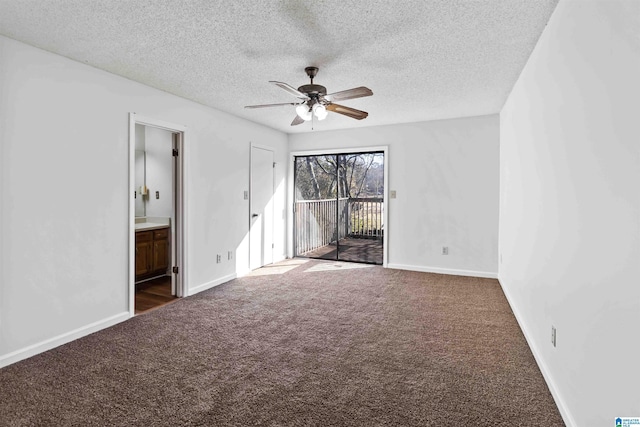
<point>385,202</point>
<point>340,151</point>
<point>385,206</point>
<point>161,124</point>
<point>262,147</point>
<point>212,284</point>
<point>181,224</point>
<point>32,350</point>
<point>449,271</point>
<point>562,407</point>
<point>131,276</point>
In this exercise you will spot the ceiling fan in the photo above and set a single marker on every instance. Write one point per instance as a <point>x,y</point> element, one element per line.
<point>314,101</point>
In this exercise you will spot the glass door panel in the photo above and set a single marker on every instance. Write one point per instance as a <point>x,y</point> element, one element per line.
<point>315,207</point>
<point>361,189</point>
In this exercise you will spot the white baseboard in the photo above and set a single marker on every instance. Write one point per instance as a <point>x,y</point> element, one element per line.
<point>211,284</point>
<point>438,270</point>
<point>59,340</point>
<point>564,411</point>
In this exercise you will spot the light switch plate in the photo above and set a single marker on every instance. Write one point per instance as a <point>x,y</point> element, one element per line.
<point>392,194</point>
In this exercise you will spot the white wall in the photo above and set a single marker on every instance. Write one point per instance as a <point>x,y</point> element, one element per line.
<point>64,194</point>
<point>446,175</point>
<point>570,207</point>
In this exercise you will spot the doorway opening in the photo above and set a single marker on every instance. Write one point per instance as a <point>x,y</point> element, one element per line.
<point>156,243</point>
<point>339,206</point>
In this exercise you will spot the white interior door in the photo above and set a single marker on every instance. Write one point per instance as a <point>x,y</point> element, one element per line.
<point>261,208</point>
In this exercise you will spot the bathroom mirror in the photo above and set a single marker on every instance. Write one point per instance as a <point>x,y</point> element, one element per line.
<point>140,163</point>
<point>153,175</point>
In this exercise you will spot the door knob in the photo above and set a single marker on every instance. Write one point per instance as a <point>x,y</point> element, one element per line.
<point>254,215</point>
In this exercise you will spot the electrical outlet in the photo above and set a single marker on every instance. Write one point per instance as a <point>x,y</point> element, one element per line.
<point>553,335</point>
<point>157,194</point>
<point>445,250</point>
<point>218,259</point>
<point>500,258</point>
<point>230,255</point>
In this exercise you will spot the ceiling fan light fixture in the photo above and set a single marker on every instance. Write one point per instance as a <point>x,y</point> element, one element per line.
<point>320,111</point>
<point>304,112</point>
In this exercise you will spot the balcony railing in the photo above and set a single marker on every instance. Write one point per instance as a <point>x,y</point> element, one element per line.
<point>323,222</point>
<point>365,217</point>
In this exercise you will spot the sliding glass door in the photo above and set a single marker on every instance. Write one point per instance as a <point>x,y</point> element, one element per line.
<point>315,209</point>
<point>338,207</point>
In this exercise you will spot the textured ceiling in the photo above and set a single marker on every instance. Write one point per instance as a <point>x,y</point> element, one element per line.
<point>424,60</point>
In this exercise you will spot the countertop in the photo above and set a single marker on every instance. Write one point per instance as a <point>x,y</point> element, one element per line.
<point>146,226</point>
<point>151,223</point>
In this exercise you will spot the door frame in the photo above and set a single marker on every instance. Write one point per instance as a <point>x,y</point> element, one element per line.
<point>291,197</point>
<point>273,193</point>
<point>179,256</point>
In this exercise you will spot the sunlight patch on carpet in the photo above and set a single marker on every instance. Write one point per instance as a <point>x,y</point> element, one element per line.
<point>334,266</point>
<point>279,268</point>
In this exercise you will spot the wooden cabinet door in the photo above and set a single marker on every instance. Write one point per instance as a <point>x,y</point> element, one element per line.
<point>160,255</point>
<point>144,252</point>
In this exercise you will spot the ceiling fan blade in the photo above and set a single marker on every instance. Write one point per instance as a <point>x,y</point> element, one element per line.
<point>356,92</point>
<point>270,105</point>
<point>298,120</point>
<point>293,91</point>
<point>347,111</point>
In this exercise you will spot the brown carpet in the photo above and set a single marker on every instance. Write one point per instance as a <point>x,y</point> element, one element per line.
<point>303,343</point>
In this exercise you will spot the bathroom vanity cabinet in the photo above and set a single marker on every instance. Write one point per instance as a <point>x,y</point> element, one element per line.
<point>152,253</point>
